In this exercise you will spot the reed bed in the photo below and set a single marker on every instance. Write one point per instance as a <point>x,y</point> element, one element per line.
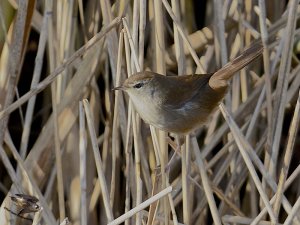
<point>82,150</point>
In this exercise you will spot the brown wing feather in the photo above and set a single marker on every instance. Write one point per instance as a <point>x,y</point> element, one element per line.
<point>181,89</point>
<point>29,198</point>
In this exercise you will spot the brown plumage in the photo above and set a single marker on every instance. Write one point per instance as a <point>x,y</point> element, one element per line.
<point>26,203</point>
<point>180,104</point>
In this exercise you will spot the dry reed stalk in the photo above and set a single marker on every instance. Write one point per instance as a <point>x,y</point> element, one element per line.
<point>267,177</point>
<point>2,21</point>
<point>287,157</point>
<point>20,34</point>
<point>206,184</point>
<point>98,160</point>
<point>127,149</point>
<point>83,165</point>
<point>135,127</point>
<point>224,190</point>
<point>160,67</point>
<point>141,206</point>
<point>129,138</point>
<point>57,89</point>
<point>43,84</point>
<point>58,159</point>
<point>132,47</point>
<point>287,184</point>
<point>46,213</point>
<point>115,134</point>
<point>142,26</point>
<point>200,68</point>
<point>135,29</point>
<point>228,219</point>
<point>32,161</point>
<point>141,46</point>
<point>243,145</point>
<point>35,79</point>
<point>185,149</point>
<point>281,88</point>
<point>112,38</point>
<point>157,180</point>
<point>266,54</point>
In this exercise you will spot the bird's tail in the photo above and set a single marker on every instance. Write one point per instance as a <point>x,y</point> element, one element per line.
<point>219,79</point>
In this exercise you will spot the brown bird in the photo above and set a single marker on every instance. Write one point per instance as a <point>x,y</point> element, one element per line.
<point>180,104</point>
<point>26,203</point>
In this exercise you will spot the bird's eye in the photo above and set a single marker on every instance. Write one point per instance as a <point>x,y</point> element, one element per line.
<point>138,85</point>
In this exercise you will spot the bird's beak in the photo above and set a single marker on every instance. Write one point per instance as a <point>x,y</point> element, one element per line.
<point>120,88</point>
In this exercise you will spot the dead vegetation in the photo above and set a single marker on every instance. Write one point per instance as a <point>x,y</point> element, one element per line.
<point>80,148</point>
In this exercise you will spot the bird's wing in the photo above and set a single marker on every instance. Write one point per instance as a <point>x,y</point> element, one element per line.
<point>184,88</point>
<point>28,198</point>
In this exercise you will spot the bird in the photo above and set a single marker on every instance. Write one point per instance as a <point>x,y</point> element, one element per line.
<point>181,104</point>
<point>26,203</point>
